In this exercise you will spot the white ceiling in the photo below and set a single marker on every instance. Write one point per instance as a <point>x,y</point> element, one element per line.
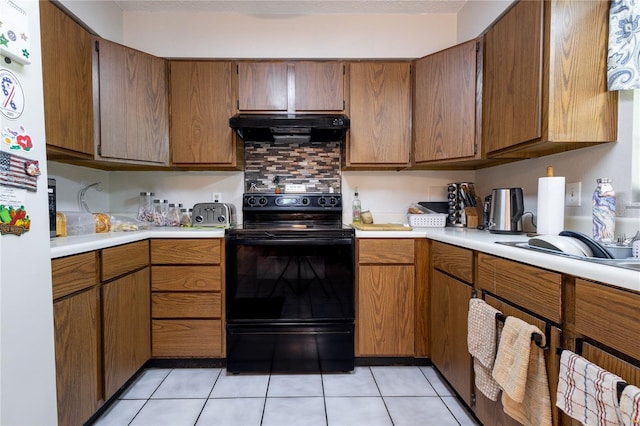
<point>295,7</point>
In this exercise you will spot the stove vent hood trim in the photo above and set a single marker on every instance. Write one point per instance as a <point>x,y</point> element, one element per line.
<point>290,128</point>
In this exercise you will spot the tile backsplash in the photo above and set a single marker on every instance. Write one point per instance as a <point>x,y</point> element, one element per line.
<point>316,165</point>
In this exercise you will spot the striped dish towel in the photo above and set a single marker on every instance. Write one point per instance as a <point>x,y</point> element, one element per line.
<point>482,337</point>
<point>587,392</point>
<point>630,406</point>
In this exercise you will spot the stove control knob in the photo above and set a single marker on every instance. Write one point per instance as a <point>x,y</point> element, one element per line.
<point>262,201</point>
<point>199,219</point>
<point>333,201</point>
<point>322,201</point>
<point>251,201</point>
<point>222,219</point>
<point>304,201</point>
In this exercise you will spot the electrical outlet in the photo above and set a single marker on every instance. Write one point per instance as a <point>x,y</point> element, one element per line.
<point>217,197</point>
<point>572,194</point>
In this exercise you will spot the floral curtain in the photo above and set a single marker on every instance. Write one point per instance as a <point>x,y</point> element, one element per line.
<point>623,58</point>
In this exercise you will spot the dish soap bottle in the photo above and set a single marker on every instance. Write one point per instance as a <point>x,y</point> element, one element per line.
<point>357,208</point>
<point>603,208</point>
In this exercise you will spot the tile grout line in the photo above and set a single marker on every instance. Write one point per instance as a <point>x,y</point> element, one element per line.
<point>149,398</point>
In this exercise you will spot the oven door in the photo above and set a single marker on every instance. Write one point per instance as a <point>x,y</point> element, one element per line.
<point>289,303</point>
<point>302,279</point>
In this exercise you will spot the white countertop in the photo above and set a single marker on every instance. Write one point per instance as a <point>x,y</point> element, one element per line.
<point>485,241</point>
<point>473,239</point>
<point>65,246</point>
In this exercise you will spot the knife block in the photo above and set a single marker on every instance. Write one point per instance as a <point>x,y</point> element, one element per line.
<point>472,217</point>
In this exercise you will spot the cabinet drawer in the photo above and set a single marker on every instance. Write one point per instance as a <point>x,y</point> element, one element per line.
<point>186,252</point>
<point>186,338</point>
<point>455,261</point>
<point>608,315</point>
<point>186,305</point>
<point>630,373</point>
<point>73,273</point>
<point>119,260</point>
<point>186,278</point>
<point>386,250</point>
<point>517,283</point>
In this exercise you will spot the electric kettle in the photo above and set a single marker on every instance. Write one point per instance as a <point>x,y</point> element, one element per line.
<point>506,210</point>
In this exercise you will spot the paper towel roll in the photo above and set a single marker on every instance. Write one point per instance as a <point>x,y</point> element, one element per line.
<point>550,205</point>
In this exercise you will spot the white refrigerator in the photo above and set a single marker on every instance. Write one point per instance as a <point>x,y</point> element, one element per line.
<point>27,360</point>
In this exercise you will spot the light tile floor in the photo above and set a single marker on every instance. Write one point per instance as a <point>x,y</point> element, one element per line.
<point>369,396</point>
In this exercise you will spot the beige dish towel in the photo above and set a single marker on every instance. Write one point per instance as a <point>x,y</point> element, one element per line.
<point>630,406</point>
<point>522,375</point>
<point>587,392</point>
<point>482,337</point>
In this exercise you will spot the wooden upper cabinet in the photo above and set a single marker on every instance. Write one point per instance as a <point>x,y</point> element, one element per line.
<point>134,108</point>
<point>444,109</point>
<point>380,113</point>
<point>319,86</point>
<point>67,84</point>
<point>544,80</point>
<point>303,86</point>
<point>202,100</point>
<point>262,86</point>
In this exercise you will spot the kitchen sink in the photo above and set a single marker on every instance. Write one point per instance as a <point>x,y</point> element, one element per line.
<point>627,263</point>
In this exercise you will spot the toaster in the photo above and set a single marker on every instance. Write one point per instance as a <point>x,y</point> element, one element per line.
<point>221,215</point>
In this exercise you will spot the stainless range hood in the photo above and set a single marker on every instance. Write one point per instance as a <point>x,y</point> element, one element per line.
<point>290,128</point>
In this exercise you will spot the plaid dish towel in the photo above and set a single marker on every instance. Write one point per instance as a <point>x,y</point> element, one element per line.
<point>587,392</point>
<point>630,406</point>
<point>482,337</point>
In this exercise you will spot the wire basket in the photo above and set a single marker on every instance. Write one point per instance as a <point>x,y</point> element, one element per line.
<point>436,220</point>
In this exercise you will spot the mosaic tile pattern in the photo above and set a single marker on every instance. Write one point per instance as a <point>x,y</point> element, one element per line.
<point>316,165</point>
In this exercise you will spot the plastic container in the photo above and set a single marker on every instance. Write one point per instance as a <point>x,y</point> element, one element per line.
<point>145,207</point>
<point>431,220</point>
<point>160,210</point>
<point>185,218</point>
<point>80,223</point>
<point>173,216</point>
<point>603,209</point>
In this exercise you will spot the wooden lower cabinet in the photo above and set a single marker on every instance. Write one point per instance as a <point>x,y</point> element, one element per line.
<point>385,299</point>
<point>187,302</point>
<point>126,328</point>
<point>448,331</point>
<point>76,322</point>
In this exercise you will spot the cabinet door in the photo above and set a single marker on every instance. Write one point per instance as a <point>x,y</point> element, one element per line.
<point>67,82</point>
<point>444,114</point>
<point>263,86</point>
<point>512,88</point>
<point>202,100</point>
<point>491,412</point>
<point>319,86</point>
<point>386,312</point>
<point>380,113</point>
<point>77,345</point>
<point>449,316</point>
<point>126,316</point>
<point>134,111</point>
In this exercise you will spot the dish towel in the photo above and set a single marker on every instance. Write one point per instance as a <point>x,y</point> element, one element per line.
<point>587,392</point>
<point>630,406</point>
<point>623,55</point>
<point>521,372</point>
<point>482,337</point>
